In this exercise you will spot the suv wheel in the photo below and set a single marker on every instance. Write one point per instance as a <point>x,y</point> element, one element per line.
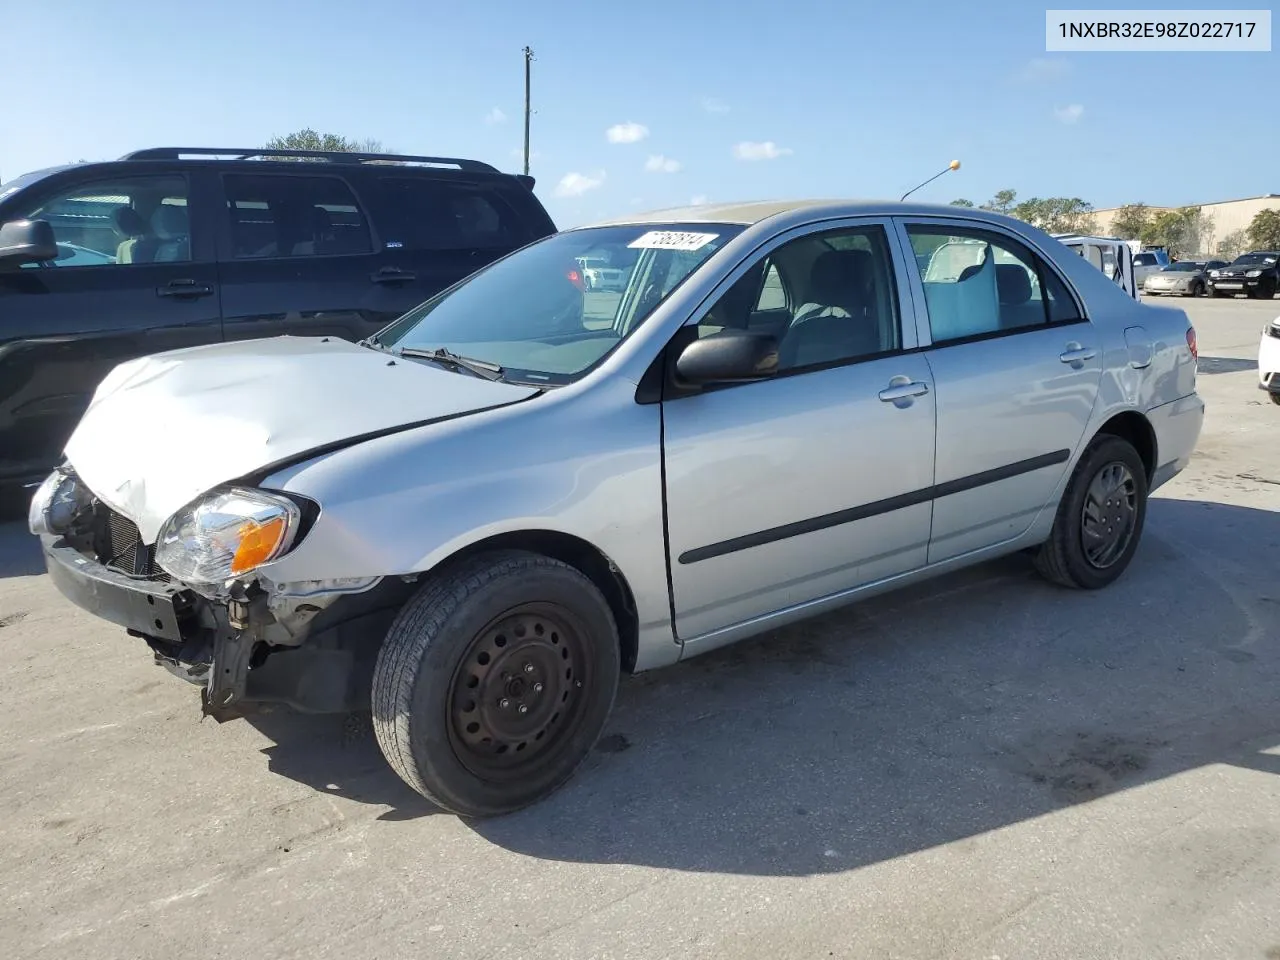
<point>1099,521</point>
<point>495,681</point>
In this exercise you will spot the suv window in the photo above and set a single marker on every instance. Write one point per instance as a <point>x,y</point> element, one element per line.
<point>829,298</point>
<point>979,283</point>
<point>283,215</point>
<point>426,213</point>
<point>123,221</point>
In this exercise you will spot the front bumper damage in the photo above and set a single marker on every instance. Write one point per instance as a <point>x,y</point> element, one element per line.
<point>256,643</point>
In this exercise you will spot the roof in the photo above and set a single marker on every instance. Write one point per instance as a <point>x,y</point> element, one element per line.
<point>754,211</point>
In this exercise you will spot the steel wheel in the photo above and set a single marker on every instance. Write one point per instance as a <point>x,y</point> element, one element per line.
<point>1109,513</point>
<point>516,692</point>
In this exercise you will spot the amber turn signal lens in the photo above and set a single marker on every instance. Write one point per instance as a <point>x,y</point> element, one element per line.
<point>258,543</point>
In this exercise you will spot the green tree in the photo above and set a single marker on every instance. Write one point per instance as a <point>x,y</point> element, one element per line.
<point>1232,244</point>
<point>1057,214</point>
<point>1264,230</point>
<point>1002,202</point>
<point>961,202</point>
<point>1130,220</point>
<point>1180,231</point>
<point>308,139</point>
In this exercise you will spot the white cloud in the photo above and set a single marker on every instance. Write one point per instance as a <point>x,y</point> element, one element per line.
<point>576,184</point>
<point>626,132</point>
<point>495,116</point>
<point>766,150</point>
<point>713,105</point>
<point>697,200</point>
<point>657,163</point>
<point>1069,114</point>
<point>1044,69</point>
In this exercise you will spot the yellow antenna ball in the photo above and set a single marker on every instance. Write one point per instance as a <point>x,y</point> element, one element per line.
<point>955,164</point>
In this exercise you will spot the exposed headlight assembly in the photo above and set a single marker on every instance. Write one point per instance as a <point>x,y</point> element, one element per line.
<point>227,534</point>
<point>56,503</point>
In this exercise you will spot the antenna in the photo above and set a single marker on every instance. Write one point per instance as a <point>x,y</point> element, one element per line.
<point>528,59</point>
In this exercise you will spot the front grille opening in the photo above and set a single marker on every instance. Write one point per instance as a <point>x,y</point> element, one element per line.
<point>119,546</point>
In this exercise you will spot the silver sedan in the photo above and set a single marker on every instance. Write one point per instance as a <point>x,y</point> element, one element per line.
<point>1186,278</point>
<point>474,522</point>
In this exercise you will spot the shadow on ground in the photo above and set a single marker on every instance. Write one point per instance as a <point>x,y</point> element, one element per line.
<point>943,711</point>
<point>1212,365</point>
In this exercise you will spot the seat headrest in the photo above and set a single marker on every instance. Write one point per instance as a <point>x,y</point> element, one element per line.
<point>129,222</point>
<point>169,222</point>
<point>1013,282</point>
<point>320,220</point>
<point>841,278</point>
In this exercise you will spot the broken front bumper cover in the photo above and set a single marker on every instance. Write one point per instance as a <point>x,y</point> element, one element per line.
<point>231,648</point>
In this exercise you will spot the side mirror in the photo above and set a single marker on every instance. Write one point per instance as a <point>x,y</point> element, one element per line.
<point>26,241</point>
<point>730,356</point>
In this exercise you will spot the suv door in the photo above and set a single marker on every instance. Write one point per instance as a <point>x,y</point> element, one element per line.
<point>786,490</point>
<point>1016,367</point>
<point>136,275</point>
<point>296,256</point>
<point>440,229</point>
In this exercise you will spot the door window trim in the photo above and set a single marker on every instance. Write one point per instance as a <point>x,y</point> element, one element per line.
<point>924,333</point>
<point>225,249</point>
<point>659,384</point>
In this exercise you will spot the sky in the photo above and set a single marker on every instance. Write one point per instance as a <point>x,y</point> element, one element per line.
<point>654,104</point>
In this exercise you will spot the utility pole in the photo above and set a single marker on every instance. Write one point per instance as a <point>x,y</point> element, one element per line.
<point>528,59</point>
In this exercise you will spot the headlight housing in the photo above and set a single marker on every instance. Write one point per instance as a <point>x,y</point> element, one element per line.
<point>56,503</point>
<point>1253,273</point>
<point>227,534</point>
<point>1213,273</point>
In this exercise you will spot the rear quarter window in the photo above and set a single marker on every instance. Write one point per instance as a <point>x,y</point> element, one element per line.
<point>424,213</point>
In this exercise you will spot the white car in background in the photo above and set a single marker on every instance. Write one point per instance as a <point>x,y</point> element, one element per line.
<point>598,275</point>
<point>1269,361</point>
<point>1148,262</point>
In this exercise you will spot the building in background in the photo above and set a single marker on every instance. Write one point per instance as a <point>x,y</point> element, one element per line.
<point>1230,219</point>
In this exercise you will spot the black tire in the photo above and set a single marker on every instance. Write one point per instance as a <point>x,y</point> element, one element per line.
<point>447,648</point>
<point>1070,557</point>
<point>1197,290</point>
<point>1275,398</point>
<point>1215,292</point>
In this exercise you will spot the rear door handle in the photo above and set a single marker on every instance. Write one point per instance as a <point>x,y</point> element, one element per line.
<point>393,275</point>
<point>1077,354</point>
<point>900,388</point>
<point>184,289</point>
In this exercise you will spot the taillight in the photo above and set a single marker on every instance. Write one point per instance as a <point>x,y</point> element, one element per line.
<point>1191,343</point>
<point>576,279</point>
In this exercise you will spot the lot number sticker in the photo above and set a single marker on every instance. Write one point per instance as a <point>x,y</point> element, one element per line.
<point>672,240</point>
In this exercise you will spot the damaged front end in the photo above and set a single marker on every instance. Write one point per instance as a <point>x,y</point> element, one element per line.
<point>244,638</point>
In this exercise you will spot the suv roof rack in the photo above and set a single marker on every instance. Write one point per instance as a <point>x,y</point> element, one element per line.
<point>334,156</point>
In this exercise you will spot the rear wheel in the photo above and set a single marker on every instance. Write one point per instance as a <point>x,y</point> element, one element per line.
<point>1100,519</point>
<point>1275,398</point>
<point>495,681</point>
<point>1197,289</point>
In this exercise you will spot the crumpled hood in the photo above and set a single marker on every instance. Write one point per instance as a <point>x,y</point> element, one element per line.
<point>162,430</point>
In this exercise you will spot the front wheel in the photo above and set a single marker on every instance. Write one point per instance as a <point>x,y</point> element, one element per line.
<point>1100,519</point>
<point>1275,398</point>
<point>495,681</point>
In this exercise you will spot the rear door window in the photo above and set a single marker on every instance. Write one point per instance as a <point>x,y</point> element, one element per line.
<point>280,215</point>
<point>425,213</point>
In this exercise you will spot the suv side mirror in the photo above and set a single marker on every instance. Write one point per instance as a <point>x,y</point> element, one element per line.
<point>730,356</point>
<point>26,241</point>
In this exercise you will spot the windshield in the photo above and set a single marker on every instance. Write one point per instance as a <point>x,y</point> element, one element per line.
<point>1185,266</point>
<point>1254,260</point>
<point>532,312</point>
<point>10,187</point>
<point>1145,260</point>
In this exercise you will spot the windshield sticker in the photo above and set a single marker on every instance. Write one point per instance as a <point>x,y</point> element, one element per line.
<point>672,240</point>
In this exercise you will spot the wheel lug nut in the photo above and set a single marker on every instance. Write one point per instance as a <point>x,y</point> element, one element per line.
<point>504,703</point>
<point>523,708</point>
<point>537,688</point>
<point>528,668</point>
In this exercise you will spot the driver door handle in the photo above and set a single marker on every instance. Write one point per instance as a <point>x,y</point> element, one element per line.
<point>184,289</point>
<point>900,388</point>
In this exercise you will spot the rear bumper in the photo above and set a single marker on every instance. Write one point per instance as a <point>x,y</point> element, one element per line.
<point>1177,427</point>
<point>1269,361</point>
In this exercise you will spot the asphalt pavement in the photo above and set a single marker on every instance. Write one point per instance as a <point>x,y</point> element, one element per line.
<point>984,766</point>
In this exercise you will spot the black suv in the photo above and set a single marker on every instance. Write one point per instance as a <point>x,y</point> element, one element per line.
<point>174,247</point>
<point>1256,274</point>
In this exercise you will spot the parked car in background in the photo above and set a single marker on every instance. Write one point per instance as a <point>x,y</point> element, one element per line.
<point>1111,255</point>
<point>474,522</point>
<point>1255,274</point>
<point>1269,360</point>
<point>1148,262</point>
<point>168,248</point>
<point>1186,278</point>
<point>599,274</point>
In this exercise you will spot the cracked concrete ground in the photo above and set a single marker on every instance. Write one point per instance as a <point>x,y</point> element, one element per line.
<point>984,766</point>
